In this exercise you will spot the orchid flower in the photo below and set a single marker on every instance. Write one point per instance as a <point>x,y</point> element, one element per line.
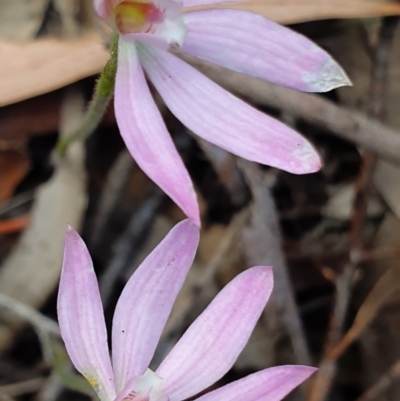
<point>206,351</point>
<point>239,40</point>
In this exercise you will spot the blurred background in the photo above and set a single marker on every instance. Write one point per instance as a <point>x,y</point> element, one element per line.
<point>333,237</point>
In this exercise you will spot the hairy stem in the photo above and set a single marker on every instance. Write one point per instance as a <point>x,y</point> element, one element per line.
<point>101,97</point>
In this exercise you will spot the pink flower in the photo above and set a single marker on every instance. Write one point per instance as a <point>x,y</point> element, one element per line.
<point>204,354</point>
<point>238,40</point>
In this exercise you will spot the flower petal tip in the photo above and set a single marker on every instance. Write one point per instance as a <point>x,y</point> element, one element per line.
<point>307,370</point>
<point>190,206</point>
<point>264,270</point>
<point>187,232</point>
<point>70,229</point>
<point>294,375</point>
<point>329,77</point>
<point>301,372</point>
<point>71,236</point>
<point>265,273</point>
<point>190,228</point>
<point>312,369</point>
<point>305,160</point>
<point>196,220</point>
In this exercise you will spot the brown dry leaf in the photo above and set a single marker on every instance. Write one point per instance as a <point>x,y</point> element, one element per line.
<point>294,11</point>
<point>13,167</point>
<point>31,272</point>
<point>15,225</point>
<point>36,116</point>
<point>47,64</point>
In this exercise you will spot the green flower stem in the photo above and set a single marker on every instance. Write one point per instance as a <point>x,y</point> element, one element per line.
<point>101,97</point>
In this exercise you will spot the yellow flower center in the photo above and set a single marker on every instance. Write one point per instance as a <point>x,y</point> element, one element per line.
<point>136,16</point>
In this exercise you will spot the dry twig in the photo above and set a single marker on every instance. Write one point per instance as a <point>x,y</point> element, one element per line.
<point>117,179</point>
<point>382,384</point>
<point>383,289</point>
<point>323,380</point>
<point>21,388</point>
<point>43,326</point>
<point>129,243</point>
<point>263,246</point>
<point>226,167</point>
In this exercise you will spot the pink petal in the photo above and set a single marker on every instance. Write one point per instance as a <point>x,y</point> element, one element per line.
<point>251,44</point>
<point>270,384</point>
<point>147,300</point>
<point>103,8</point>
<point>145,134</point>
<point>212,343</point>
<point>190,3</point>
<point>148,38</point>
<point>224,120</point>
<point>81,318</point>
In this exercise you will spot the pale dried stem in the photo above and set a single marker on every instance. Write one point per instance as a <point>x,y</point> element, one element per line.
<point>263,245</point>
<point>43,326</point>
<point>24,387</point>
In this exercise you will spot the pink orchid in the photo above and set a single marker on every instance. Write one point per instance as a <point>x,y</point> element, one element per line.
<point>239,40</point>
<point>206,351</point>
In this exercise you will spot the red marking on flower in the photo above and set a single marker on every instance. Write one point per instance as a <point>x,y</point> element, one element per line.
<point>133,396</point>
<point>137,16</point>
